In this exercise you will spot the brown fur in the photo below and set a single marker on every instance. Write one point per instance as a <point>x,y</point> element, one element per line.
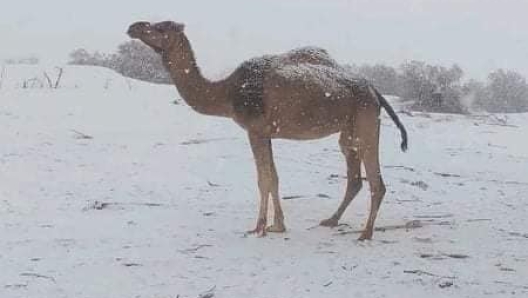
<point>270,100</point>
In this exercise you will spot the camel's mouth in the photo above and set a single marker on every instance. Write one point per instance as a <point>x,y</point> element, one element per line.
<point>148,33</point>
<point>139,29</point>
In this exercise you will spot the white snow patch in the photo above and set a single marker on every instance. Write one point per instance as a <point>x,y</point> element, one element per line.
<point>156,202</point>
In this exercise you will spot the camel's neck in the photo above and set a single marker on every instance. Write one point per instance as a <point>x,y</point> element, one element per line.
<point>202,95</point>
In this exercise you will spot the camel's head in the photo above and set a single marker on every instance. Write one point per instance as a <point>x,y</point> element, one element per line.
<point>159,36</point>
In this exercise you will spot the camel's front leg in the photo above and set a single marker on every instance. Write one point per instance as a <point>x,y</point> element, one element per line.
<point>267,184</point>
<point>278,216</point>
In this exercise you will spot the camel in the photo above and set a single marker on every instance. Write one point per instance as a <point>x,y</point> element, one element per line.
<point>299,95</point>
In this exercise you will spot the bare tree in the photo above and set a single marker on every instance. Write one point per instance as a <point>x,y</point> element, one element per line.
<point>431,87</point>
<point>133,59</point>
<point>55,84</point>
<point>385,78</point>
<point>414,81</point>
<point>83,57</point>
<point>506,92</point>
<point>29,60</point>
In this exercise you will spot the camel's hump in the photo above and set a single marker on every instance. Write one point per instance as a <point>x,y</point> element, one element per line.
<point>307,54</point>
<point>328,77</point>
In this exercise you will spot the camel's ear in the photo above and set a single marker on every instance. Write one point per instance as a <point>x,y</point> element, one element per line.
<point>168,26</point>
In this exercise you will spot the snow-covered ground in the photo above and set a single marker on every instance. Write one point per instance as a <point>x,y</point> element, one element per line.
<point>108,189</point>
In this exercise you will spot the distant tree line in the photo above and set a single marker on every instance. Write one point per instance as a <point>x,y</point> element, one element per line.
<point>29,60</point>
<point>436,88</point>
<point>430,88</point>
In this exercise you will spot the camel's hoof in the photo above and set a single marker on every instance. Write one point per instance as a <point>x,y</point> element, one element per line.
<point>330,222</point>
<point>275,228</point>
<point>365,236</point>
<point>259,231</point>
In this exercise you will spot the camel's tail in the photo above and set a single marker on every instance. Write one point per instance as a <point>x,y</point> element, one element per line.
<point>394,118</point>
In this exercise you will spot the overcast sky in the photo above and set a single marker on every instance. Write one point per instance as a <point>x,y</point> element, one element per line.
<point>479,35</point>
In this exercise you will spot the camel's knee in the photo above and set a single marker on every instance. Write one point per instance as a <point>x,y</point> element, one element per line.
<point>378,193</point>
<point>355,184</point>
<point>380,189</point>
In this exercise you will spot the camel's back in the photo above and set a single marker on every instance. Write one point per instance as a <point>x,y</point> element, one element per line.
<point>330,78</point>
<point>310,55</point>
<point>314,67</point>
<point>251,74</point>
<point>301,77</point>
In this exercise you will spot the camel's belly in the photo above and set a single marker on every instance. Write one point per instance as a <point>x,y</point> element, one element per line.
<point>303,135</point>
<point>295,111</point>
<point>304,127</point>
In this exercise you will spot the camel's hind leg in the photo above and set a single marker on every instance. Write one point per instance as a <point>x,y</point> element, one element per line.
<point>368,133</point>
<point>349,147</point>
